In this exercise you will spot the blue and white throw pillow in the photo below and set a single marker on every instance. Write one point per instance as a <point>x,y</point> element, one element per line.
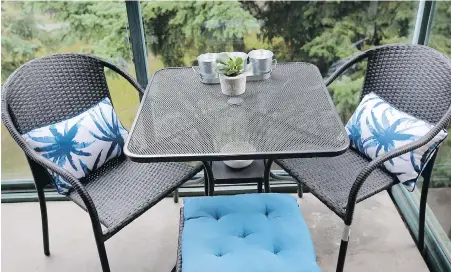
<point>82,143</point>
<point>376,128</point>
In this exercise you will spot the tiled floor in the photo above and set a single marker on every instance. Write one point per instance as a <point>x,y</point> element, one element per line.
<point>379,239</point>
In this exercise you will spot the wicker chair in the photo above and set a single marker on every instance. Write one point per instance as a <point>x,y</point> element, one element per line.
<point>118,192</point>
<point>415,79</point>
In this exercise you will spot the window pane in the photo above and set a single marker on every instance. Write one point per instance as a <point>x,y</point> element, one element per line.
<point>323,33</point>
<point>34,29</point>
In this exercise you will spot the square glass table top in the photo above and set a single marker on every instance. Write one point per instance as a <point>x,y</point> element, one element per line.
<point>289,115</point>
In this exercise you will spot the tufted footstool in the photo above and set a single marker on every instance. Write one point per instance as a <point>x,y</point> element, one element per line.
<point>244,233</point>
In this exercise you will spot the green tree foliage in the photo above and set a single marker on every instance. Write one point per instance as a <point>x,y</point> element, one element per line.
<point>21,36</point>
<point>440,38</point>
<point>379,22</point>
<point>345,94</point>
<point>299,23</point>
<point>172,27</point>
<point>101,26</point>
<point>324,32</point>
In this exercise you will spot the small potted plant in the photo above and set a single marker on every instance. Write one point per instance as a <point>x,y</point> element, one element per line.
<point>231,74</point>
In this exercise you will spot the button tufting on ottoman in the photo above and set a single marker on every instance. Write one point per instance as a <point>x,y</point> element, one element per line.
<point>251,233</point>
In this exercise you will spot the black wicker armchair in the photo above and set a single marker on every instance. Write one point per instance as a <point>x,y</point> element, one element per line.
<point>415,79</point>
<point>115,194</point>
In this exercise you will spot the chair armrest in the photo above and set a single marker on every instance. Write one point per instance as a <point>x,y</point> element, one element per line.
<point>366,171</point>
<point>125,75</point>
<point>345,66</point>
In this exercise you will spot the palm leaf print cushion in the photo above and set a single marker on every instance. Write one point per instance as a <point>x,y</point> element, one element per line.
<point>376,128</point>
<point>82,143</point>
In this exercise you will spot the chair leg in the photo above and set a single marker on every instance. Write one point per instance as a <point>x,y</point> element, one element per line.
<point>343,248</point>
<point>100,242</point>
<point>45,225</point>
<point>346,230</point>
<point>100,239</point>
<point>103,257</point>
<point>427,173</point>
<point>422,215</point>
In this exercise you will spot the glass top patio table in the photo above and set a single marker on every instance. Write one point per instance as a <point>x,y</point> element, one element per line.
<point>289,115</point>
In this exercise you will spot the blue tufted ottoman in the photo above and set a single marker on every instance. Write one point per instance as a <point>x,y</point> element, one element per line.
<point>244,233</point>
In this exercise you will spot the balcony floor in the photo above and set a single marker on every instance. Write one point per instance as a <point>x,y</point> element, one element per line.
<point>379,239</point>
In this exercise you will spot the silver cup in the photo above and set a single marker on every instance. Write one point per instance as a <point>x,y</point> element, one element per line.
<point>241,55</point>
<point>207,65</point>
<point>261,61</point>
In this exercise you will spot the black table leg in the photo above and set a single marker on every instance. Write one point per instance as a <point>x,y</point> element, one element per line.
<point>176,195</point>
<point>206,182</point>
<point>268,164</point>
<point>210,178</point>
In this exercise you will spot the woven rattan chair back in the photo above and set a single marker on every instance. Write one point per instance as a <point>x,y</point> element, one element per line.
<point>54,88</point>
<point>415,79</point>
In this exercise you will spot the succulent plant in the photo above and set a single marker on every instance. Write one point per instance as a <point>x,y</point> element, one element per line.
<point>228,65</point>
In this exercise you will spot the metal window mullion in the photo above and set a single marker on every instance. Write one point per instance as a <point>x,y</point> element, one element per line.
<point>430,20</point>
<point>138,42</point>
<point>423,22</point>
